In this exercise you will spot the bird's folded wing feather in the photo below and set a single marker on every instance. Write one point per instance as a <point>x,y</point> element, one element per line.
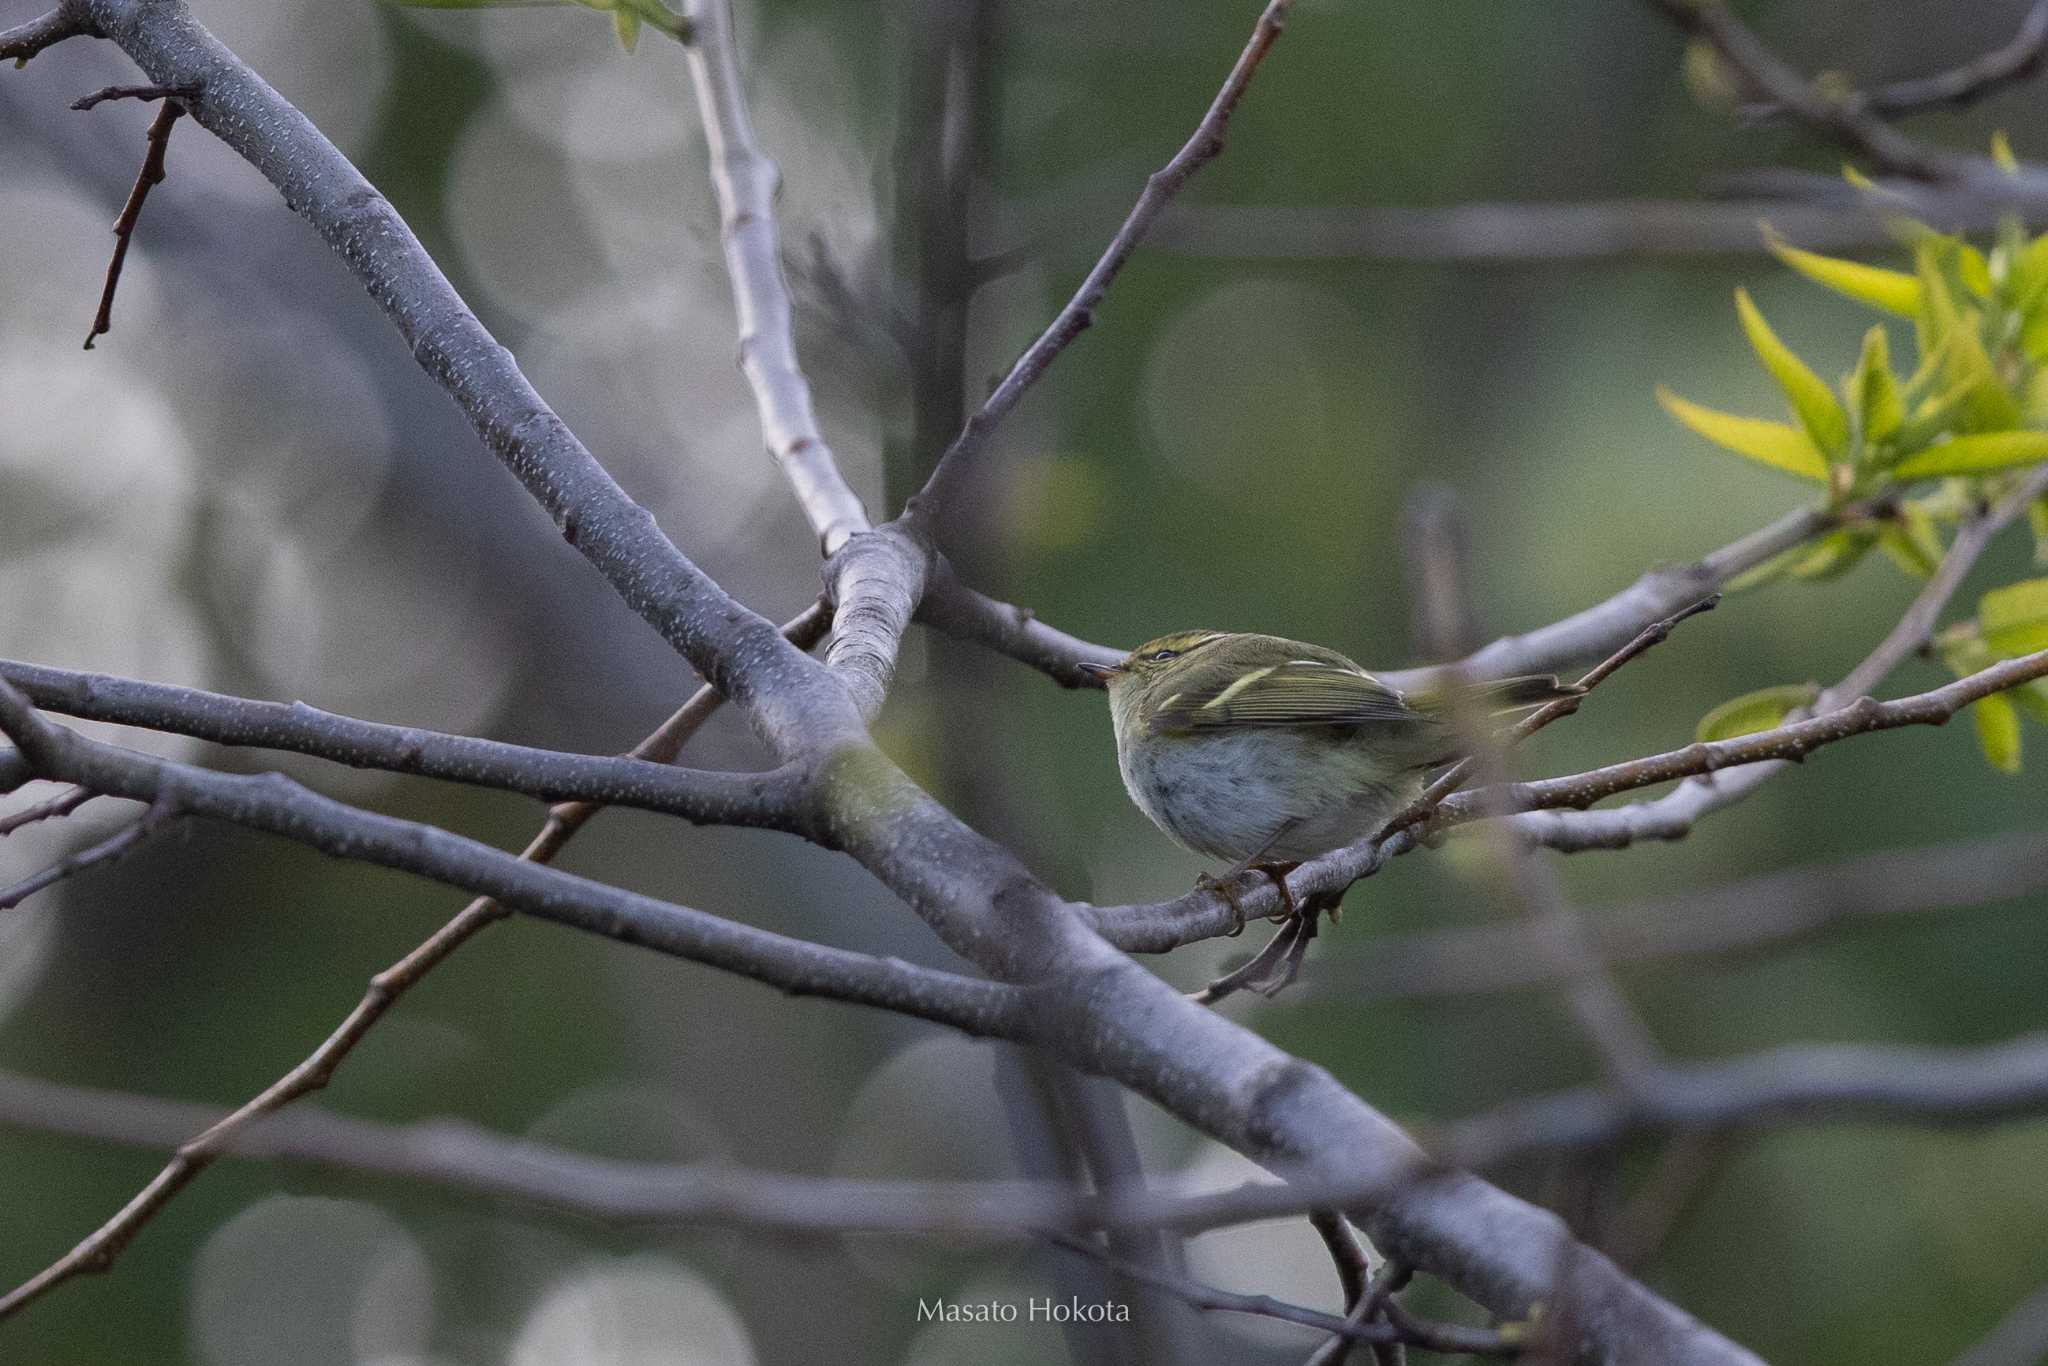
<point>1299,692</point>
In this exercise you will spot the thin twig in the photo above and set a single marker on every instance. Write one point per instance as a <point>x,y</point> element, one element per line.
<point>150,176</point>
<point>61,805</point>
<point>702,796</point>
<point>1785,744</point>
<point>24,41</point>
<point>1765,73</point>
<point>109,850</point>
<point>1458,774</point>
<point>1959,86</point>
<point>145,93</point>
<point>1436,1337</point>
<point>1204,146</point>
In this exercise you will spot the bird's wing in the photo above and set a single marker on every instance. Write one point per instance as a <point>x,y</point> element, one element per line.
<point>1298,692</point>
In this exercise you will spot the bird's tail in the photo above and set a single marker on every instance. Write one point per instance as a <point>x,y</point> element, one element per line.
<point>1523,692</point>
<point>1499,697</point>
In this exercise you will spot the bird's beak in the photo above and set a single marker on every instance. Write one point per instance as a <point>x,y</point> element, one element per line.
<point>1100,672</point>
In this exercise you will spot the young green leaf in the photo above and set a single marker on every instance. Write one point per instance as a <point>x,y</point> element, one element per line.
<point>1776,444</point>
<point>1911,542</point>
<point>1975,453</point>
<point>1894,291</point>
<point>1873,391</point>
<point>2001,152</point>
<point>2037,520</point>
<point>1812,401</point>
<point>1758,575</point>
<point>1764,709</point>
<point>2029,275</point>
<point>1835,554</point>
<point>1998,731</point>
<point>2014,619</point>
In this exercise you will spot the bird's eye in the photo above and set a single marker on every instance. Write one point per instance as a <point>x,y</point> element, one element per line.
<point>1161,656</point>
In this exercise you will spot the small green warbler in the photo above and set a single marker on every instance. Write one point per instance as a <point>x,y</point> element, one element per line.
<point>1267,751</point>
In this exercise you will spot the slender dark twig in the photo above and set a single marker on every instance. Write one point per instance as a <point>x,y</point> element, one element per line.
<point>1959,86</point>
<point>1203,147</point>
<point>1436,1337</point>
<point>1458,774</point>
<point>145,93</point>
<point>116,846</point>
<point>149,177</point>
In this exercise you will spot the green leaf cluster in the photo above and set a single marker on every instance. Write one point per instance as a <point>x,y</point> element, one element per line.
<point>1930,444</point>
<point>1927,448</point>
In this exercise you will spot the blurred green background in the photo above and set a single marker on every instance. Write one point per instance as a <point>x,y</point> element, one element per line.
<point>249,487</point>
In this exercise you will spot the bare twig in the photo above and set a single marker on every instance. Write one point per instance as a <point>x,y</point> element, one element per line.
<point>745,180</point>
<point>24,41</point>
<point>879,580</point>
<point>147,94</point>
<point>1573,831</point>
<point>1436,1337</point>
<point>1767,75</point>
<point>276,805</point>
<point>1388,1281</point>
<point>109,850</point>
<point>1959,86</point>
<point>1203,147</point>
<point>150,176</point>
<point>760,799</point>
<point>61,805</point>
